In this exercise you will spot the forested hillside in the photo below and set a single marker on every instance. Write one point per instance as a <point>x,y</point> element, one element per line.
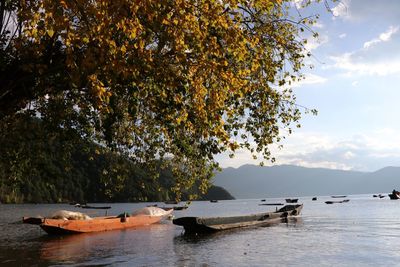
<point>41,165</point>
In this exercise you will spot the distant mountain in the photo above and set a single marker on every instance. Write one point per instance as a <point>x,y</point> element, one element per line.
<point>251,181</point>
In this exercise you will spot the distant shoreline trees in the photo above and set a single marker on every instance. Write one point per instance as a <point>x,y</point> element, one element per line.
<point>51,172</point>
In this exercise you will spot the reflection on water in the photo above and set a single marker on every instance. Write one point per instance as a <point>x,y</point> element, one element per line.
<point>363,232</point>
<point>105,247</point>
<point>75,248</point>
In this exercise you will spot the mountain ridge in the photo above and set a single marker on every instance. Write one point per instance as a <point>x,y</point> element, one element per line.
<point>252,181</point>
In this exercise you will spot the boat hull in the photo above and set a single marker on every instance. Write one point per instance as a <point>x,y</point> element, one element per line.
<point>341,201</point>
<point>98,224</point>
<point>214,224</point>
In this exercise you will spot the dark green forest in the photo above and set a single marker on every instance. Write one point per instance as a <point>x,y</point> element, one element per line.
<point>41,164</point>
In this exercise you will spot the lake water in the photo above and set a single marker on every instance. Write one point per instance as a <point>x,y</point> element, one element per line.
<point>362,232</point>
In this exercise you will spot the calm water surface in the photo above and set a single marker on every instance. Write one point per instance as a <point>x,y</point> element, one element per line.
<point>362,232</point>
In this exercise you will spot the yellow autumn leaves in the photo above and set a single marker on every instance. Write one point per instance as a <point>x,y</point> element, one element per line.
<point>175,77</point>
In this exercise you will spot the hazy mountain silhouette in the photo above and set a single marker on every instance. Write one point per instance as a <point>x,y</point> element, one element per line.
<point>251,181</point>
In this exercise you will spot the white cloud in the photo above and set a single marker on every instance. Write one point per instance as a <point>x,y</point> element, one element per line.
<point>383,37</point>
<point>310,79</point>
<point>318,25</point>
<point>321,164</point>
<point>341,9</point>
<point>367,152</point>
<point>355,83</point>
<point>378,56</point>
<point>352,63</point>
<point>314,43</point>
<point>363,152</point>
<point>342,36</point>
<point>361,10</point>
<point>298,3</point>
<point>386,36</point>
<point>301,3</point>
<point>386,131</point>
<point>348,155</point>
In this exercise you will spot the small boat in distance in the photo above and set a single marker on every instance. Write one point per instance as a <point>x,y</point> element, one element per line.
<point>198,225</point>
<point>394,195</point>
<point>74,203</point>
<point>314,198</point>
<point>175,207</point>
<point>341,201</point>
<point>338,196</point>
<point>291,200</point>
<point>69,222</point>
<point>213,201</point>
<point>271,204</point>
<point>95,207</point>
<point>171,202</point>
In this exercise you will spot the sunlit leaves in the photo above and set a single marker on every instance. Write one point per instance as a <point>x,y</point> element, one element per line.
<point>179,79</point>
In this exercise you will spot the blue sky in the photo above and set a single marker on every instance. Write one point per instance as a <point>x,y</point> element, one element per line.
<point>354,85</point>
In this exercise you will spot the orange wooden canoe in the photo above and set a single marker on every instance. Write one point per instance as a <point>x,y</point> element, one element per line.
<point>96,224</point>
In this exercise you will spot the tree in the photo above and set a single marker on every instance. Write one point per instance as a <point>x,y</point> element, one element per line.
<point>170,79</point>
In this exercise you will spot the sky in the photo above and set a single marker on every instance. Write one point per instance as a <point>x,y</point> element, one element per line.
<point>354,85</point>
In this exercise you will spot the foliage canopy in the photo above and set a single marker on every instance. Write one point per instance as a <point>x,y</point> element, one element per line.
<point>175,79</point>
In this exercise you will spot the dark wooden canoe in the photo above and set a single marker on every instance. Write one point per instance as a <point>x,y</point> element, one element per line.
<point>171,202</point>
<point>213,224</point>
<point>341,201</point>
<point>95,207</point>
<point>175,208</point>
<point>271,204</point>
<point>393,196</point>
<point>291,200</point>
